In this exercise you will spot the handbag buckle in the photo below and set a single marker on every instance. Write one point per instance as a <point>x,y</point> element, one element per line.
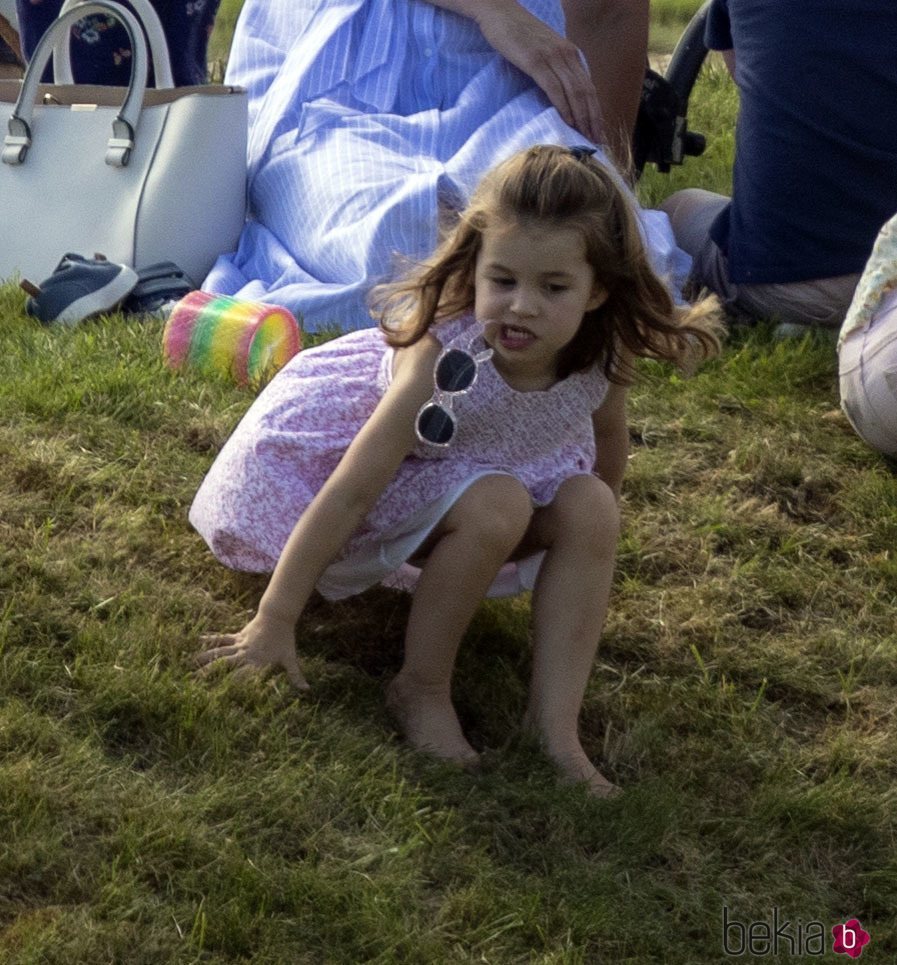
<point>120,145</point>
<point>15,148</point>
<point>16,142</point>
<point>118,151</point>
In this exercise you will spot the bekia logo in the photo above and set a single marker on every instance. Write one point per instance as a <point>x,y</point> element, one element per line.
<point>850,939</point>
<point>782,936</point>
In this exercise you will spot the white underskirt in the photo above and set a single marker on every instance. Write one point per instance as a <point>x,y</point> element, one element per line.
<point>387,561</point>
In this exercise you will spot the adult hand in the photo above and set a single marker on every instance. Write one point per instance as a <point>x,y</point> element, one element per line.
<point>551,60</point>
<point>263,644</point>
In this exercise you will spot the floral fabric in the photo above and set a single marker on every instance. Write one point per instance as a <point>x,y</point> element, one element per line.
<point>293,436</point>
<point>101,53</point>
<point>878,279</point>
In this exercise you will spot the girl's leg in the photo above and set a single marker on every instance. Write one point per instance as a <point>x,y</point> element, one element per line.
<point>579,530</point>
<point>466,550</point>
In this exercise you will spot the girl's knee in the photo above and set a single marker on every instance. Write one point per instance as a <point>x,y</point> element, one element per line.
<point>585,511</point>
<point>497,509</point>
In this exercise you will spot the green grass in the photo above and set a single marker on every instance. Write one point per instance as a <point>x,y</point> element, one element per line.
<point>712,109</point>
<point>743,696</point>
<point>668,19</point>
<point>219,42</point>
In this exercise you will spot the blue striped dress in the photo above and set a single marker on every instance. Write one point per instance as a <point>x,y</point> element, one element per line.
<point>366,118</point>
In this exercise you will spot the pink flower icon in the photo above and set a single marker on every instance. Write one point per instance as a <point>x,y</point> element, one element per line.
<point>850,938</point>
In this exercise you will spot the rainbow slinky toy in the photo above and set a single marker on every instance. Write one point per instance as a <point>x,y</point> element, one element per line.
<point>249,341</point>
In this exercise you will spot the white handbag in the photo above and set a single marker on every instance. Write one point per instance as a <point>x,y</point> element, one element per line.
<point>140,175</point>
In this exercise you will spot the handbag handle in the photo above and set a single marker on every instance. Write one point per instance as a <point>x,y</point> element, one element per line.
<point>155,32</point>
<point>120,145</point>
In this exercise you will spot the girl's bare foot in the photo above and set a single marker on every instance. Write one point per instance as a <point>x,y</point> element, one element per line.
<point>572,762</point>
<point>578,769</point>
<point>428,722</point>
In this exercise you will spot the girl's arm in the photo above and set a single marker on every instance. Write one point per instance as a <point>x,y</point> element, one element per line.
<point>612,438</point>
<point>365,470</point>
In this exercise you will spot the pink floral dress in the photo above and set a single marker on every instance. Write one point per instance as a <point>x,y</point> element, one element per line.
<point>292,437</point>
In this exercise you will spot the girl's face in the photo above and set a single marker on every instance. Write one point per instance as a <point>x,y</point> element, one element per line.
<point>533,286</point>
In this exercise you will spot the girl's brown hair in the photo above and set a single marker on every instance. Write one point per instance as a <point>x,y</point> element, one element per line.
<point>566,188</point>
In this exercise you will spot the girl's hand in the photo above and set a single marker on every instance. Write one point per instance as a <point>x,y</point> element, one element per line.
<point>551,60</point>
<point>264,644</point>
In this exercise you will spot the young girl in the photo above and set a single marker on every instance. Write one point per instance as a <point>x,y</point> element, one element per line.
<point>483,423</point>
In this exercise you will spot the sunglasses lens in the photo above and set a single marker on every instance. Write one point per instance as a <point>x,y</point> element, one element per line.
<point>456,371</point>
<point>435,425</point>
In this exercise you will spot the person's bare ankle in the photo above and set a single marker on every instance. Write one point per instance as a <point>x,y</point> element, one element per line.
<point>427,720</point>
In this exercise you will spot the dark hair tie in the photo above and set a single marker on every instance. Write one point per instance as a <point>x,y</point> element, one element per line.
<point>581,152</point>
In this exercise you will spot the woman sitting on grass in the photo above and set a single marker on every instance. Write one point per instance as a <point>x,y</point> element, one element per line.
<point>483,423</point>
<point>370,119</point>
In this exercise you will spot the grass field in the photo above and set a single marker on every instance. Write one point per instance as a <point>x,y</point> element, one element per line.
<point>668,18</point>
<point>744,695</point>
